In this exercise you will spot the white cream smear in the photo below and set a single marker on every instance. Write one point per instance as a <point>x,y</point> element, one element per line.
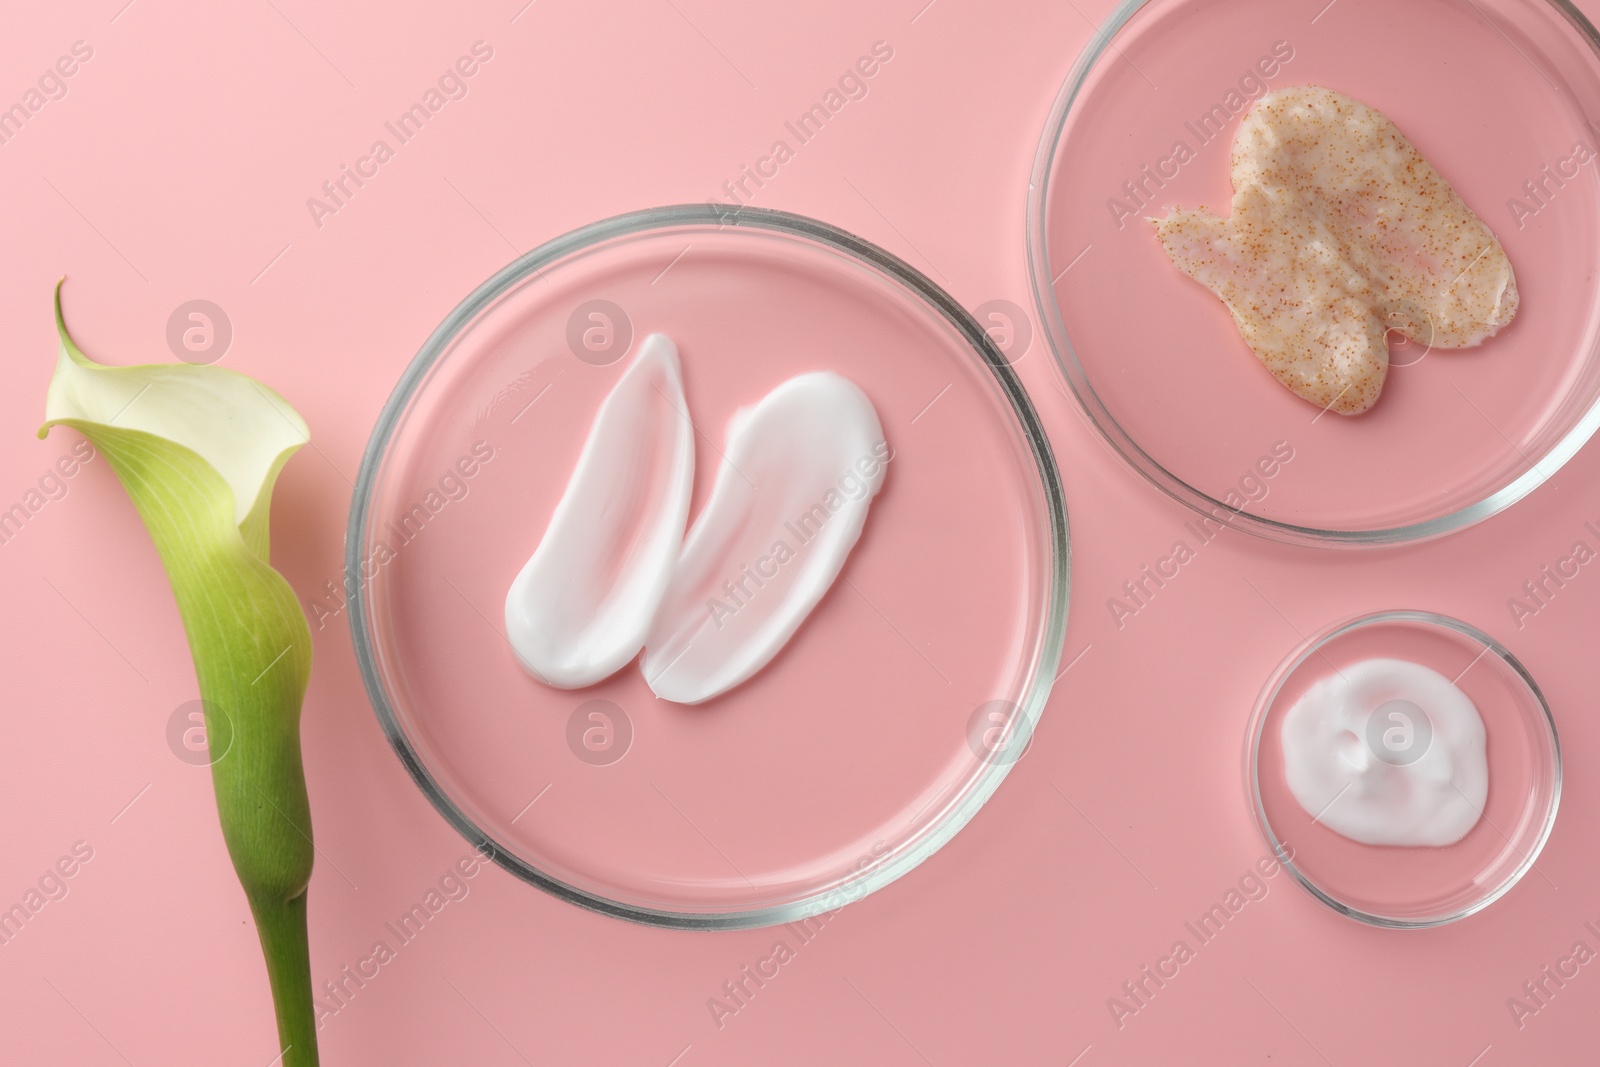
<point>790,500</point>
<point>615,573</point>
<point>1387,752</point>
<point>581,607</point>
<point>1341,231</point>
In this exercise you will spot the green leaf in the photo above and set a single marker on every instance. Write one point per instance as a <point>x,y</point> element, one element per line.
<point>198,449</point>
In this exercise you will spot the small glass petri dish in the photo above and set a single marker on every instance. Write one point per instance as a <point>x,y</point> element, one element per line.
<point>888,719</point>
<point>1501,96</point>
<point>1413,887</point>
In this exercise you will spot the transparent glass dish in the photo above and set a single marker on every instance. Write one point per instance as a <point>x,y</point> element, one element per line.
<point>1415,886</point>
<point>891,715</point>
<point>1496,94</point>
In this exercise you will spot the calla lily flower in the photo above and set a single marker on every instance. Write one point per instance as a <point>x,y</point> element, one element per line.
<point>198,449</point>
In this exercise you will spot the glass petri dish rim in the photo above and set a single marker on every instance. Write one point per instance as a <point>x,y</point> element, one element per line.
<point>1046,654</point>
<point>1269,696</point>
<point>1146,465</point>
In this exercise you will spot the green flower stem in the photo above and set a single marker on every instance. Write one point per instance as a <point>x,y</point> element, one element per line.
<point>198,449</point>
<point>282,926</point>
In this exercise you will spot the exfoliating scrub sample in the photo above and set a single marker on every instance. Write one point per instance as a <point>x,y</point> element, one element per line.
<point>616,574</point>
<point>1387,752</point>
<point>1341,234</point>
<point>1367,244</point>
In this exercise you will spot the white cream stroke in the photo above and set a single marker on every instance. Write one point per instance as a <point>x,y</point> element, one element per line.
<point>615,573</point>
<point>790,501</point>
<point>581,607</point>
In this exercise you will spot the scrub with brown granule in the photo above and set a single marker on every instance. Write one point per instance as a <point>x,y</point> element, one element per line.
<point>1340,232</point>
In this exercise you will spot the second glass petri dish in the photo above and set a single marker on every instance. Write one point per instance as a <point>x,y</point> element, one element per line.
<point>1404,886</point>
<point>1501,96</point>
<point>890,716</point>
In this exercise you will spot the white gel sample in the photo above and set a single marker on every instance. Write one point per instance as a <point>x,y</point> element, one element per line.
<point>581,607</point>
<point>799,472</point>
<point>1387,752</point>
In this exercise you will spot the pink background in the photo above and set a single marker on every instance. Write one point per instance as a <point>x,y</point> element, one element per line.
<point>177,166</point>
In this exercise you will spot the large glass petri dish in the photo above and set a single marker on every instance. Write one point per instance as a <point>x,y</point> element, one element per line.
<point>1405,886</point>
<point>892,714</point>
<point>1496,94</point>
